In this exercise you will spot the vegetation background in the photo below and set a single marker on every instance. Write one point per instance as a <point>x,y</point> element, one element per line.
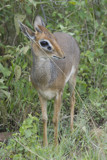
<point>20,113</point>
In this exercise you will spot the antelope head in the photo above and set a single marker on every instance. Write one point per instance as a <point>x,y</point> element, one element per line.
<point>44,43</point>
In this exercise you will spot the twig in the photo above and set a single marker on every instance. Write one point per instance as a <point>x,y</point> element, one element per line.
<point>43,13</point>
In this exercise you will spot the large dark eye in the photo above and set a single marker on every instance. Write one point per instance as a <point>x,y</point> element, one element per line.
<point>44,43</point>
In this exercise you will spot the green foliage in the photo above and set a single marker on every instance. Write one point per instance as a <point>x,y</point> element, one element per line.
<point>23,142</point>
<point>81,145</point>
<point>86,22</point>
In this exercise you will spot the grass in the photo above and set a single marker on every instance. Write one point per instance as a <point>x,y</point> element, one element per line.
<point>86,142</point>
<point>19,104</point>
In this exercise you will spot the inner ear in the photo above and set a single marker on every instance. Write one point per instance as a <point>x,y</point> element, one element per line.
<point>38,22</point>
<point>27,31</point>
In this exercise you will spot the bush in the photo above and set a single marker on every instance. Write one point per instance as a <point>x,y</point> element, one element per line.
<point>85,21</point>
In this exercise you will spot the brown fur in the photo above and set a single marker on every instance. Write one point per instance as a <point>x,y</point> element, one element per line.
<point>51,71</point>
<point>45,34</point>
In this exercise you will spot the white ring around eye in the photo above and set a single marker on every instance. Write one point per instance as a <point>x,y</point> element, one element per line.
<point>46,48</point>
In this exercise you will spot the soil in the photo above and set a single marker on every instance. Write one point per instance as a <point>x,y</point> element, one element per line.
<point>5,135</point>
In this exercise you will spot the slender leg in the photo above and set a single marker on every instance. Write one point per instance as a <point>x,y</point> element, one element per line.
<point>57,107</point>
<point>43,103</point>
<point>72,83</point>
<point>72,108</point>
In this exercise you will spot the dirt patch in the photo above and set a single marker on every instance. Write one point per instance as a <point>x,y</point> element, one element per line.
<point>5,135</point>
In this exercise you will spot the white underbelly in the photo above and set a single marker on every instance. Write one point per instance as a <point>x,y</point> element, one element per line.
<point>48,94</point>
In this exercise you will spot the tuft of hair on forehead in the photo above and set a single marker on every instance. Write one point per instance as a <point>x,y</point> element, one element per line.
<point>46,32</point>
<point>50,37</point>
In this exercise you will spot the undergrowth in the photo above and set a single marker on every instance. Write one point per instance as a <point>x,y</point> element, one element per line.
<point>19,105</point>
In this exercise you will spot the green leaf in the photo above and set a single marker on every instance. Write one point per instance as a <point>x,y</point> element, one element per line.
<point>1,80</point>
<point>86,1</point>
<point>7,94</point>
<point>28,133</point>
<point>73,3</point>
<point>35,3</point>
<point>17,157</point>
<point>16,18</point>
<point>82,87</point>
<point>6,57</point>
<point>95,94</point>
<point>17,72</point>
<point>25,49</point>
<point>4,71</point>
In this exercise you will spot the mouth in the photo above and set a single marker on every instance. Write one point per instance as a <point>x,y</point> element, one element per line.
<point>59,57</point>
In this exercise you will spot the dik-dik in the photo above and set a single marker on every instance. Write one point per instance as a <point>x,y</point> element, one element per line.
<point>55,62</point>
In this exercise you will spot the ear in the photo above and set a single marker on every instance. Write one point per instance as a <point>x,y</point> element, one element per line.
<point>38,22</point>
<point>27,31</point>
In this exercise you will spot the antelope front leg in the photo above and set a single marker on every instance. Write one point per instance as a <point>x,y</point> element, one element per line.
<point>57,106</point>
<point>72,108</point>
<point>43,103</point>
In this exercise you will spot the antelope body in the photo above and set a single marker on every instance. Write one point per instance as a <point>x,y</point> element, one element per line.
<point>55,62</point>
